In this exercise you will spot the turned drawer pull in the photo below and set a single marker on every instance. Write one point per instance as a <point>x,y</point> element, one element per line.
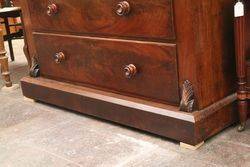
<point>123,8</point>
<point>52,9</point>
<point>59,57</point>
<point>130,70</point>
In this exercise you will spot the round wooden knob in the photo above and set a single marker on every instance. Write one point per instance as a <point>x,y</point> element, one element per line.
<point>59,57</point>
<point>52,9</point>
<point>123,8</point>
<point>130,70</point>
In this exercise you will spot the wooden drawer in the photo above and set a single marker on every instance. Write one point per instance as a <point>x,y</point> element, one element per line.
<point>103,62</point>
<point>145,19</point>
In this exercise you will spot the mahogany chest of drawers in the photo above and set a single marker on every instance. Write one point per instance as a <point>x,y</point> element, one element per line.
<point>163,66</point>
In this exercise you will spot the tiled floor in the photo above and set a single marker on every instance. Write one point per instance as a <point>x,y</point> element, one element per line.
<point>35,134</point>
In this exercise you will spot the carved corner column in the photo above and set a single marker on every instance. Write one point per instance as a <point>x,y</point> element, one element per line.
<point>4,62</point>
<point>239,24</point>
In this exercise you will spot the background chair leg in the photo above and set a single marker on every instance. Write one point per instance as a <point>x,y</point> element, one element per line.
<point>5,71</point>
<point>242,106</point>
<point>7,27</point>
<point>11,50</point>
<point>4,62</point>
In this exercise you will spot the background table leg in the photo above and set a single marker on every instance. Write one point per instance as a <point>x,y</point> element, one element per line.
<point>4,62</point>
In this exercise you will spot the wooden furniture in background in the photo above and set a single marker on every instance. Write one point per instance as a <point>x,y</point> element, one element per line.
<point>163,66</point>
<point>7,12</point>
<point>4,62</point>
<point>14,3</point>
<point>242,47</point>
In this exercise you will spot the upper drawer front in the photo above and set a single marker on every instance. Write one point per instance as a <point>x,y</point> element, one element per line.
<point>138,68</point>
<point>143,18</point>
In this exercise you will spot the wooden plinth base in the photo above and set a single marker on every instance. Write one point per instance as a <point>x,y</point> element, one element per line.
<point>164,120</point>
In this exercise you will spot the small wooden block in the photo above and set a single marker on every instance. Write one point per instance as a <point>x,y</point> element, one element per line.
<point>10,89</point>
<point>29,99</point>
<point>191,147</point>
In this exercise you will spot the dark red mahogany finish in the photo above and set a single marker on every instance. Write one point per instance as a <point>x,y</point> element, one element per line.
<point>101,62</point>
<point>143,18</point>
<point>164,66</point>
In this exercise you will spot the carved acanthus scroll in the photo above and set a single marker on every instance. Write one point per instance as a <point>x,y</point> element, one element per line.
<point>187,101</point>
<point>34,69</point>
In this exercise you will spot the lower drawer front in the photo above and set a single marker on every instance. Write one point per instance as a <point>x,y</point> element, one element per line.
<point>137,68</point>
